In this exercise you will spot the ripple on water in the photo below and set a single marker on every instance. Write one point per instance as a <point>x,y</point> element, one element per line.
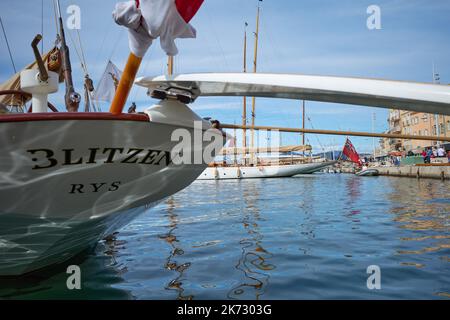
<point>309,237</point>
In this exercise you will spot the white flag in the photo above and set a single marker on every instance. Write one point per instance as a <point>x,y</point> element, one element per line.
<point>147,20</point>
<point>107,86</point>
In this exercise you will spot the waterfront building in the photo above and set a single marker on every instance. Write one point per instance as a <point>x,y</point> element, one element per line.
<point>413,123</point>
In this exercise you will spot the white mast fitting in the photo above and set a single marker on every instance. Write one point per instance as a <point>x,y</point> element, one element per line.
<point>39,82</point>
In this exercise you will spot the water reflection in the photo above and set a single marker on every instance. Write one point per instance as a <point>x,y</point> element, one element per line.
<point>235,234</point>
<point>253,262</point>
<point>307,205</point>
<point>430,209</point>
<point>354,186</point>
<point>176,251</point>
<point>98,272</point>
<point>422,212</point>
<point>112,246</point>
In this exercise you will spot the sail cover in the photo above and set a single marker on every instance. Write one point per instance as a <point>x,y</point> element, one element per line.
<point>412,96</point>
<point>150,19</point>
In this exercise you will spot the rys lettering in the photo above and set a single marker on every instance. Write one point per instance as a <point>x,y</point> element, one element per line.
<point>47,158</point>
<point>94,187</point>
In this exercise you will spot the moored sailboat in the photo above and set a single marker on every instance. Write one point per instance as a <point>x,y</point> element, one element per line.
<point>62,187</point>
<point>251,165</point>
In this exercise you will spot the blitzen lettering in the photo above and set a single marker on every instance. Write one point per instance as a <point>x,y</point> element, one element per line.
<point>47,158</point>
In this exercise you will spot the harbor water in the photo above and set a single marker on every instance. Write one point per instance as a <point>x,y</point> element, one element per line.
<point>307,237</point>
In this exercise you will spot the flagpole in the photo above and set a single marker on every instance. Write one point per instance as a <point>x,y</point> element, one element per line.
<point>340,154</point>
<point>125,84</point>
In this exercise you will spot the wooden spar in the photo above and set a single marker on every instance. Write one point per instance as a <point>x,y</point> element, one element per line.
<point>125,84</point>
<point>255,63</point>
<point>235,153</point>
<point>244,106</point>
<point>303,122</point>
<point>170,65</point>
<point>341,133</point>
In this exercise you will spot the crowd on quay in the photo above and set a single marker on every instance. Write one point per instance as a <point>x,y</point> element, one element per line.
<point>427,154</point>
<point>431,153</point>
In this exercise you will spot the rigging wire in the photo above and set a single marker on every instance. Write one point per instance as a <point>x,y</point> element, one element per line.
<point>81,56</point>
<point>82,52</point>
<point>55,15</point>
<point>116,44</point>
<point>7,45</point>
<point>78,53</point>
<point>42,26</point>
<point>318,140</point>
<point>102,44</point>
<point>213,29</point>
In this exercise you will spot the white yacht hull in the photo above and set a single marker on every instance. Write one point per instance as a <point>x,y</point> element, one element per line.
<point>62,189</point>
<point>368,173</point>
<point>273,171</point>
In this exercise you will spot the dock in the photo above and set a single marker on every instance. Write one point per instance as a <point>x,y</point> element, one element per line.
<point>418,171</point>
<point>433,171</point>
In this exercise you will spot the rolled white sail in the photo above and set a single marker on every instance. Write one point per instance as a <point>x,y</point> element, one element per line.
<point>412,96</point>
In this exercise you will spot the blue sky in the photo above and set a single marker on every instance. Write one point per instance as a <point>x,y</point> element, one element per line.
<point>309,36</point>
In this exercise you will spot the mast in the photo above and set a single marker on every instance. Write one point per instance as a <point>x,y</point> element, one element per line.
<point>436,116</point>
<point>303,124</point>
<point>244,106</point>
<point>255,62</point>
<point>71,97</point>
<point>373,131</point>
<point>170,65</point>
<point>235,146</point>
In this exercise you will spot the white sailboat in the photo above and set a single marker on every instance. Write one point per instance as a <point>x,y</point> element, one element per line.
<point>68,179</point>
<point>269,167</point>
<point>262,171</point>
<point>251,166</point>
<point>358,91</point>
<point>62,187</point>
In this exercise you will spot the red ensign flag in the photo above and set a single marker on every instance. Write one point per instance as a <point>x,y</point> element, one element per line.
<point>350,152</point>
<point>148,20</point>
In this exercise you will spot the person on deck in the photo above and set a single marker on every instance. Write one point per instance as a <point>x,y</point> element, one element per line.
<point>441,152</point>
<point>132,108</point>
<point>424,155</point>
<point>429,154</point>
